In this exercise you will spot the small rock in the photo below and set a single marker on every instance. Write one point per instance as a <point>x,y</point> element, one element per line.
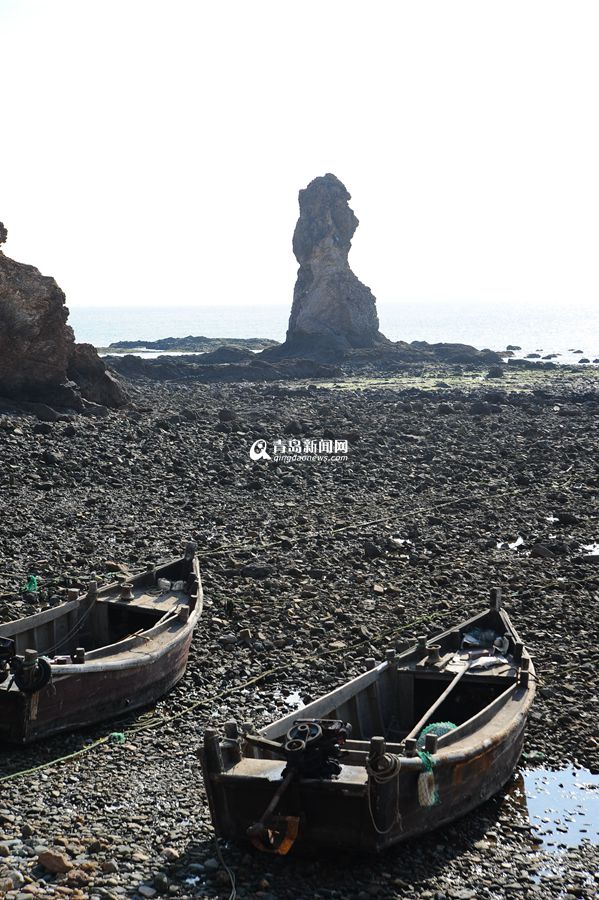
<point>540,551</point>
<point>11,881</point>
<point>229,638</point>
<point>78,878</point>
<point>54,861</point>
<point>42,428</point>
<point>371,550</point>
<point>161,882</point>
<point>567,518</point>
<point>111,566</point>
<point>110,866</point>
<point>257,570</point>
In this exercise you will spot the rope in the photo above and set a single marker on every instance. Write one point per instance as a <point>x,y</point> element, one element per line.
<point>386,772</point>
<point>70,633</point>
<point>227,869</point>
<point>387,768</point>
<point>55,762</point>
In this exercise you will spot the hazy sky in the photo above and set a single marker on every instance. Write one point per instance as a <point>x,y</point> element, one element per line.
<point>151,152</point>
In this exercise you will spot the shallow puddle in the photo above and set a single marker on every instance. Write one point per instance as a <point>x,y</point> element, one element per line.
<point>562,806</point>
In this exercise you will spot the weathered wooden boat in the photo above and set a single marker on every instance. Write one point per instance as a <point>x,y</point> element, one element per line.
<point>100,654</point>
<point>412,744</point>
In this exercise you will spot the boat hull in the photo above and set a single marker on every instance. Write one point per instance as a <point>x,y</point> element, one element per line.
<point>75,701</point>
<point>336,814</point>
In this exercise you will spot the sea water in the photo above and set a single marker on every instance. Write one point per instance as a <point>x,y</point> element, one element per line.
<point>535,329</point>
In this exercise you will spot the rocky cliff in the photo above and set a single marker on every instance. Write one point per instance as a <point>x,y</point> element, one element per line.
<point>39,359</point>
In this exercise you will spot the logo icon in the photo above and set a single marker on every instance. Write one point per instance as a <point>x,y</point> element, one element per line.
<point>258,450</point>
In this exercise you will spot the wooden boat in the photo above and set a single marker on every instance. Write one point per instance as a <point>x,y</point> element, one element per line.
<point>412,744</point>
<point>100,654</point>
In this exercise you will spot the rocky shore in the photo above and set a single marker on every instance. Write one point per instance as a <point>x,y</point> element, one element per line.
<point>453,483</point>
<point>191,344</point>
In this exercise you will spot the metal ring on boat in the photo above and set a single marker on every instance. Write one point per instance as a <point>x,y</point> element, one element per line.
<point>295,746</point>
<point>305,731</point>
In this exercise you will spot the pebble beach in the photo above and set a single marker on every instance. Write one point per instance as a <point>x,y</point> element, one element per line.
<point>454,483</point>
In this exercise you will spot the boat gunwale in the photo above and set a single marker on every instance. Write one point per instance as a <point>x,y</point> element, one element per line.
<point>113,659</point>
<point>38,618</point>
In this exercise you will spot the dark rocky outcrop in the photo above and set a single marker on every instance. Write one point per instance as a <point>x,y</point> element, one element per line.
<point>199,344</point>
<point>39,360</point>
<point>332,311</point>
<point>195,368</point>
<point>35,341</point>
<point>225,354</point>
<point>457,353</point>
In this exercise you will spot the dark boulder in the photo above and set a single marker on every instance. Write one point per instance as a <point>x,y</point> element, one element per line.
<point>94,380</point>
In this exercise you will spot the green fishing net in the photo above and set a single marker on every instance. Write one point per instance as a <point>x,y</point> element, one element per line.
<point>438,728</point>
<point>31,586</point>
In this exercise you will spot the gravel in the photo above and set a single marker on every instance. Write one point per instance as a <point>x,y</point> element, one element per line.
<point>308,569</point>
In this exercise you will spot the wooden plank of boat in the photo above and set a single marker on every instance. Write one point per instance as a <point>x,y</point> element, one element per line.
<point>100,654</point>
<point>304,784</point>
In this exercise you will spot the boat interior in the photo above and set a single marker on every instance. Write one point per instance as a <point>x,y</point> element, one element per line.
<point>463,674</point>
<point>106,616</point>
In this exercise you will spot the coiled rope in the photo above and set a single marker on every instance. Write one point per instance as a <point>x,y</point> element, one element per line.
<point>380,771</point>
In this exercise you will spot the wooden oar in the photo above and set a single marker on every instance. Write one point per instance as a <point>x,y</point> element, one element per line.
<point>422,722</point>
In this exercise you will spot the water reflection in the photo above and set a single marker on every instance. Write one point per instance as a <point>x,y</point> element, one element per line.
<point>562,806</point>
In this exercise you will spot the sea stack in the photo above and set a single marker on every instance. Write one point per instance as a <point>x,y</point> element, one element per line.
<point>39,359</point>
<point>332,312</point>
